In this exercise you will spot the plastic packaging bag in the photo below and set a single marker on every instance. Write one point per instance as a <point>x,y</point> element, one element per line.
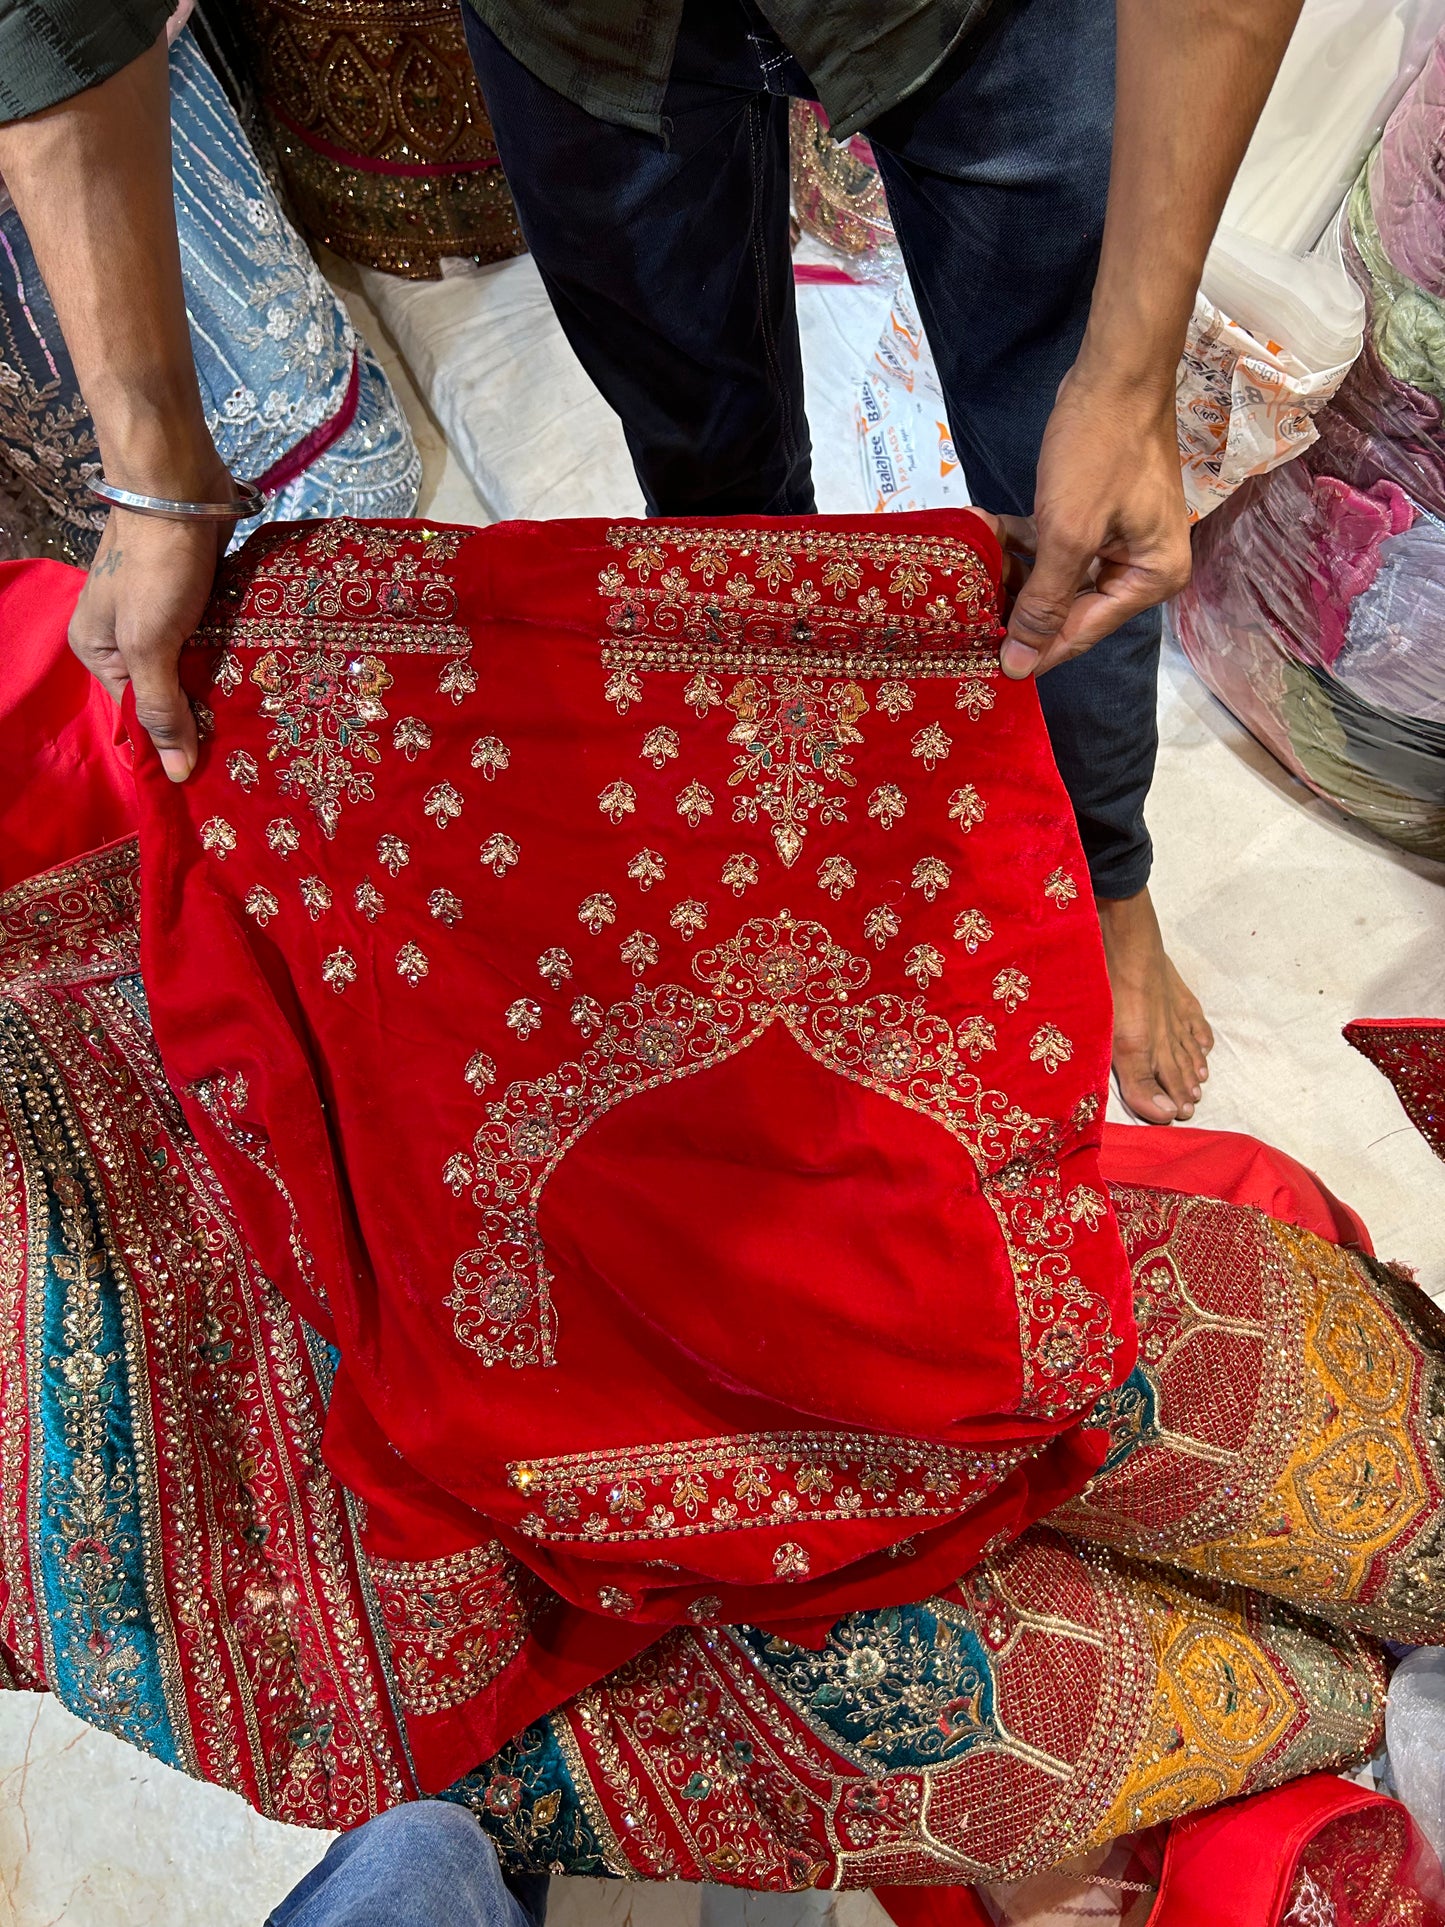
<point>1415,1737</point>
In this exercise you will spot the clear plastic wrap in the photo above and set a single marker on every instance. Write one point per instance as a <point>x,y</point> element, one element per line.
<point>1317,609</point>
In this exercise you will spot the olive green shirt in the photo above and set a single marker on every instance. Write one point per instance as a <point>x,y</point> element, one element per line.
<point>51,49</point>
<point>613,56</point>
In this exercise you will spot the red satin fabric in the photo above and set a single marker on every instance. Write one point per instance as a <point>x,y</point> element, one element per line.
<point>763,1241</point>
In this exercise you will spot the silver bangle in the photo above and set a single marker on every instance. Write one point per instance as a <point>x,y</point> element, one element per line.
<point>248,502</point>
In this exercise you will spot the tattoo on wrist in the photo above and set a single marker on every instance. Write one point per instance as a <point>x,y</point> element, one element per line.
<point>108,562</point>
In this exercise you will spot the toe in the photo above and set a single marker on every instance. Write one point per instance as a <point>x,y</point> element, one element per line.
<point>1141,1090</point>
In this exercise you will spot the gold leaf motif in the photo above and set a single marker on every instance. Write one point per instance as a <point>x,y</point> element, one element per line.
<point>640,950</point>
<point>974,697</point>
<point>588,1015</point>
<point>457,680</point>
<point>623,688</point>
<point>1060,888</point>
<point>218,837</point>
<point>596,911</point>
<point>790,1561</point>
<point>895,699</point>
<point>443,804</point>
<point>241,768</point>
<point>392,853</point>
<point>283,836</point>
<point>480,1071</point>
<point>228,675</point>
<point>619,799</point>
<point>647,868</point>
<point>972,928</point>
<point>261,904</point>
<point>835,875</point>
<point>1049,1046</point>
<point>931,745</point>
<point>554,966</point>
<point>703,693</point>
<point>524,1016</point>
<point>445,906</point>
<point>1010,988</point>
<point>660,746</point>
<point>411,963</point>
<point>411,735</point>
<point>887,804</point>
<point>966,807</point>
<point>316,895</point>
<point>689,916</point>
<point>499,853</point>
<point>612,1599</point>
<point>490,755</point>
<point>694,803</point>
<point>923,963</point>
<point>740,871</point>
<point>976,1035</point>
<point>457,1173</point>
<point>1086,1206</point>
<point>369,900</point>
<point>795,737</point>
<point>930,875</point>
<point>339,970</point>
<point>880,926</point>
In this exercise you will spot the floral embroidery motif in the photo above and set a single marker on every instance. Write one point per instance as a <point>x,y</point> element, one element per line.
<point>411,963</point>
<point>524,1016</point>
<point>880,926</point>
<point>1060,888</point>
<point>623,688</point>
<point>316,895</point>
<point>1010,988</point>
<point>790,1561</point>
<point>595,912</point>
<point>887,804</point>
<point>974,696</point>
<point>895,699</point>
<point>739,872</point>
<point>241,768</point>
<point>972,928</point>
<point>490,755</point>
<point>966,807</point>
<point>499,854</point>
<point>613,1599</point>
<point>660,746</point>
<point>688,1487</point>
<point>1087,1206</point>
<point>218,837</point>
<point>931,746</point>
<point>923,964</point>
<point>261,904</point>
<point>930,875</point>
<point>786,971</point>
<point>619,799</point>
<point>320,624</point>
<point>702,693</point>
<point>392,853</point>
<point>588,1015</point>
<point>554,967</point>
<point>793,736</point>
<point>369,900</point>
<point>1049,1046</point>
<point>445,906</point>
<point>411,735</point>
<point>694,803</point>
<point>339,970</point>
<point>689,916</point>
<point>453,1623</point>
<point>480,1072</point>
<point>640,950</point>
<point>443,804</point>
<point>647,868</point>
<point>835,875</point>
<point>283,836</point>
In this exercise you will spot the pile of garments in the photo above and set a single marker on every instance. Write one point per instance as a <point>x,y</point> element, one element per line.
<point>294,399</point>
<point>570,1260</point>
<point>1317,609</point>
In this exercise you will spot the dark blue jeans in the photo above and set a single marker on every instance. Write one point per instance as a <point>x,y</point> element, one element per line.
<point>667,262</point>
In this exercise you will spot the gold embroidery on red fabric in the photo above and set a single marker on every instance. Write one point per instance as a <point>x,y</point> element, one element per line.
<point>619,799</point>
<point>75,922</point>
<point>789,971</point>
<point>221,1098</point>
<point>499,854</point>
<point>554,967</point>
<point>794,737</point>
<point>835,875</point>
<point>454,1623</point>
<point>490,754</point>
<point>218,837</point>
<point>595,912</point>
<point>412,963</point>
<point>739,872</point>
<point>686,1487</point>
<point>972,928</point>
<point>930,875</point>
<point>647,868</point>
<point>1060,888</point>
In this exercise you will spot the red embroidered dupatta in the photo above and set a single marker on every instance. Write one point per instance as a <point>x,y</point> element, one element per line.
<point>642,986</point>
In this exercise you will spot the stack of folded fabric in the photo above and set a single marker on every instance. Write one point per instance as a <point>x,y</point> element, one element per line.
<point>295,401</point>
<point>592,1282</point>
<point>1317,610</point>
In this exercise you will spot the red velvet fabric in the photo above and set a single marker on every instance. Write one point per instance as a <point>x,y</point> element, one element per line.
<point>743,825</point>
<point>65,781</point>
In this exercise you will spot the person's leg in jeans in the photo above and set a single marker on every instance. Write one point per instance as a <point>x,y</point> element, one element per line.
<point>997,175</point>
<point>426,1865</point>
<point>667,261</point>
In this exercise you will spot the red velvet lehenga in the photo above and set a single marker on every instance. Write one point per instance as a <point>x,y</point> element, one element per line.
<point>690,919</point>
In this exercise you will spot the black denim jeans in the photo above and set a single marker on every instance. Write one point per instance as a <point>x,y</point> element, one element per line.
<point>668,264</point>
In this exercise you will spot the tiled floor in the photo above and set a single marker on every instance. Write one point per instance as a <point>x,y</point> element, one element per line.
<point>1286,919</point>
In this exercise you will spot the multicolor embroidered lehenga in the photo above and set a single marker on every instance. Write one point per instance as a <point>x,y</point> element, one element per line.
<point>792,1444</point>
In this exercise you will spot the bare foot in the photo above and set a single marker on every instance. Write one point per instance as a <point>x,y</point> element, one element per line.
<point>1161,1038</point>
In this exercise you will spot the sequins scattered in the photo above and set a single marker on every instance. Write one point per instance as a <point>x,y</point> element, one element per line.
<point>412,963</point>
<point>835,875</point>
<point>499,854</point>
<point>596,911</point>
